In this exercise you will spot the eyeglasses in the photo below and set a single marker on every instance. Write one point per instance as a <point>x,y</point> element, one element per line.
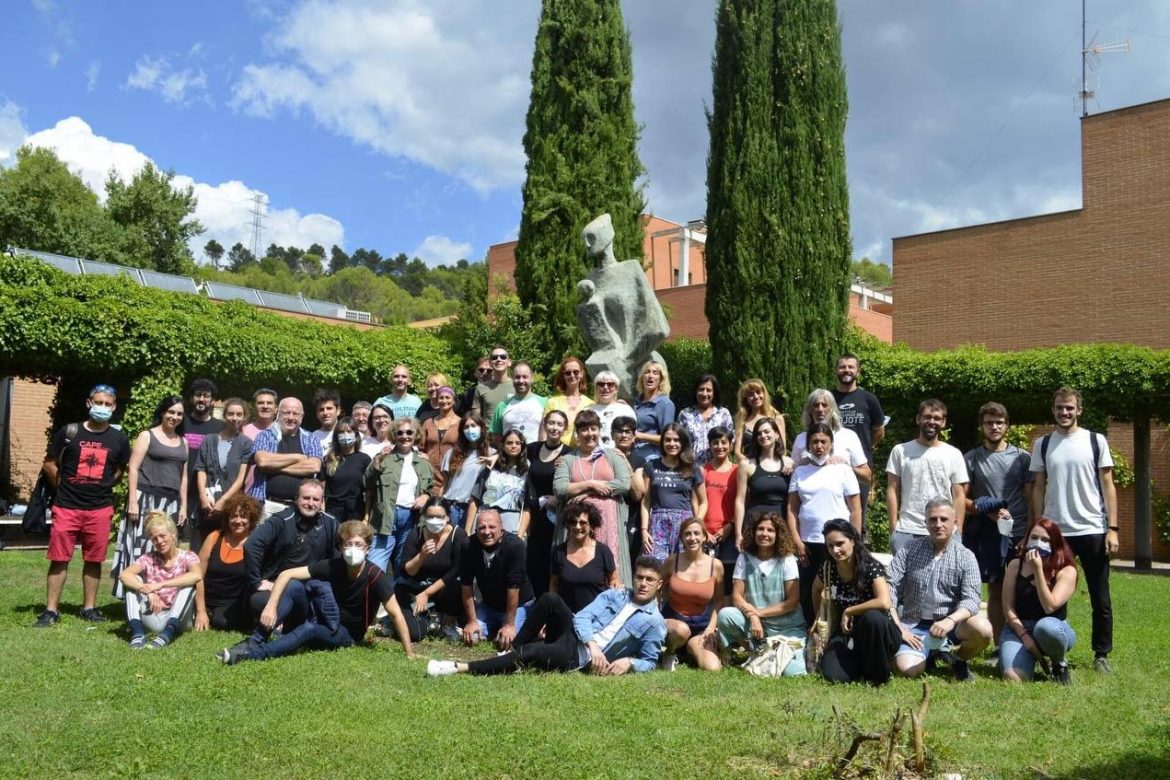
<point>577,523</point>
<point>502,356</point>
<point>482,370</point>
<point>354,546</point>
<point>623,431</point>
<point>404,434</point>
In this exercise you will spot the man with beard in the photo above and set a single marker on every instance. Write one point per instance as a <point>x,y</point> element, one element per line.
<point>861,412</point>
<point>997,504</point>
<point>327,405</point>
<point>198,425</point>
<point>920,469</point>
<point>1074,488</point>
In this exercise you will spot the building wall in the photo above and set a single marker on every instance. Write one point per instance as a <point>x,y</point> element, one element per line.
<point>1095,274</point>
<point>28,426</point>
<point>1098,273</point>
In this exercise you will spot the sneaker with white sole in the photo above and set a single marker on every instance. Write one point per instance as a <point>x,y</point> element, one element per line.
<point>241,651</point>
<point>441,668</point>
<point>137,642</point>
<point>47,618</point>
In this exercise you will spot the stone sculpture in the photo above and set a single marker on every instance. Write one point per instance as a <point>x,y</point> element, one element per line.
<point>619,314</point>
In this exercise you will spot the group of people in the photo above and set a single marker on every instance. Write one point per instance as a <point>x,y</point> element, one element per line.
<point>584,532</point>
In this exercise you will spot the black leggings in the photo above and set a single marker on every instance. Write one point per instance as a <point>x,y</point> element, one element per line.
<point>875,641</point>
<point>557,652</point>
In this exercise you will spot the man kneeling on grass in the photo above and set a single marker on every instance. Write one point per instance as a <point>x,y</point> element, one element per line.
<point>934,583</point>
<point>344,593</point>
<point>620,631</point>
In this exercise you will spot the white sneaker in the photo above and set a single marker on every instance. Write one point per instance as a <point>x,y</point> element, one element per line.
<point>441,668</point>
<point>669,662</point>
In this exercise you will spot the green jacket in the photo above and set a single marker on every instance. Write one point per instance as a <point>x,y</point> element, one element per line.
<point>384,481</point>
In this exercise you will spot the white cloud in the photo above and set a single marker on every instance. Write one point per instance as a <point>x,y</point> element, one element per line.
<point>12,132</point>
<point>91,75</point>
<point>156,74</point>
<point>442,84</point>
<point>224,209</point>
<point>441,250</point>
<point>53,57</point>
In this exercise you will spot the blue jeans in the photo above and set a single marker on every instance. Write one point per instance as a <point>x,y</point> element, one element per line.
<point>380,549</point>
<point>311,636</point>
<point>921,629</point>
<point>490,620</point>
<point>458,513</point>
<point>1054,636</point>
<point>292,609</point>
<point>403,525</point>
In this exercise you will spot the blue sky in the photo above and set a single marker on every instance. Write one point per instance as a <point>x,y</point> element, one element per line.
<point>396,125</point>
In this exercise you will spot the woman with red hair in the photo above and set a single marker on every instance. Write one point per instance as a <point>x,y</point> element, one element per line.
<point>1036,588</point>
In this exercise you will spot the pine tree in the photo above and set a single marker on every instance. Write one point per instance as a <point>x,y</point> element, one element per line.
<point>580,141</point>
<point>778,247</point>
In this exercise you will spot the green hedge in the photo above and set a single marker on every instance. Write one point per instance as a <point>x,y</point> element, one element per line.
<point>77,330</point>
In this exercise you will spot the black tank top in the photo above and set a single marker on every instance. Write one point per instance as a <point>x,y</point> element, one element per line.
<point>223,583</point>
<point>1028,606</point>
<point>767,489</point>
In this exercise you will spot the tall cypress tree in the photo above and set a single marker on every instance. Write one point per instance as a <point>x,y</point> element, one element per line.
<point>778,247</point>
<point>581,143</point>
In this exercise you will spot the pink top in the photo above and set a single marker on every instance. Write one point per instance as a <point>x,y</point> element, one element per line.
<point>155,569</point>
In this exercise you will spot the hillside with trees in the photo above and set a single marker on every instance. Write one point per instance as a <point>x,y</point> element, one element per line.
<point>150,223</point>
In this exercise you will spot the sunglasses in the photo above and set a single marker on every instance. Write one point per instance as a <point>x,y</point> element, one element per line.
<point>607,384</point>
<point>499,357</point>
<point>404,434</point>
<point>108,389</point>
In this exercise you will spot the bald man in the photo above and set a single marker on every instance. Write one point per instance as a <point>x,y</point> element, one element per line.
<point>284,456</point>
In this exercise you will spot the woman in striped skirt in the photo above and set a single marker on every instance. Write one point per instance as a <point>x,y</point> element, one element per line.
<point>158,483</point>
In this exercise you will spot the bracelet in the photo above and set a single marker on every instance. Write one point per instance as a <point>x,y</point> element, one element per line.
<point>1114,528</point>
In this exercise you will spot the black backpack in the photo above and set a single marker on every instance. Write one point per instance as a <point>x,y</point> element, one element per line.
<point>35,520</point>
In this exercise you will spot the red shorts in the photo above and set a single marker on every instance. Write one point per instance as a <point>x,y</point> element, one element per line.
<point>89,526</point>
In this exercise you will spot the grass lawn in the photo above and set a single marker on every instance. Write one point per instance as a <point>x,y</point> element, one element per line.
<point>75,701</point>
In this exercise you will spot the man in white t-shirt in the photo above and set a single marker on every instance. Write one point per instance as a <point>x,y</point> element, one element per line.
<point>920,469</point>
<point>1074,488</point>
<point>523,411</point>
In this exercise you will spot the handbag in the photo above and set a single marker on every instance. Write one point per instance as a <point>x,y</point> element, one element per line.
<point>823,625</point>
<point>772,656</point>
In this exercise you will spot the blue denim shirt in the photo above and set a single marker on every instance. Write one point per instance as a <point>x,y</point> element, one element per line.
<point>653,415</point>
<point>640,638</point>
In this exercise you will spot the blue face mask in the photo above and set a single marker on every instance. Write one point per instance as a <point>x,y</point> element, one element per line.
<point>99,413</point>
<point>472,434</point>
<point>1041,547</point>
<point>346,439</point>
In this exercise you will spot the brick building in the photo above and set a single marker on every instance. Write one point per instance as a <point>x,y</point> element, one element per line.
<point>674,255</point>
<point>1093,274</point>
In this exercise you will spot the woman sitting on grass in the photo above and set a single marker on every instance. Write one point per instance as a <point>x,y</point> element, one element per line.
<point>765,591</point>
<point>865,638</point>
<point>693,596</point>
<point>160,585</point>
<point>582,569</point>
<point>1036,588</point>
<point>345,594</point>
<point>221,599</point>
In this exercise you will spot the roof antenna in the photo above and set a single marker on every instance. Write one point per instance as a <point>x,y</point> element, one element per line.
<point>1090,58</point>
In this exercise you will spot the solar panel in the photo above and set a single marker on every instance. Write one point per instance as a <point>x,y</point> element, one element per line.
<point>216,290</point>
<point>94,268</point>
<point>161,281</point>
<point>230,292</point>
<point>281,301</point>
<point>70,265</point>
<point>325,308</point>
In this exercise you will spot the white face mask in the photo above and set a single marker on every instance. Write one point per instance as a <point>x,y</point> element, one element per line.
<point>346,439</point>
<point>819,460</point>
<point>354,555</point>
<point>435,524</point>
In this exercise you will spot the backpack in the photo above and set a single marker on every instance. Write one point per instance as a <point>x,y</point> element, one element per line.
<point>35,520</point>
<point>1096,459</point>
